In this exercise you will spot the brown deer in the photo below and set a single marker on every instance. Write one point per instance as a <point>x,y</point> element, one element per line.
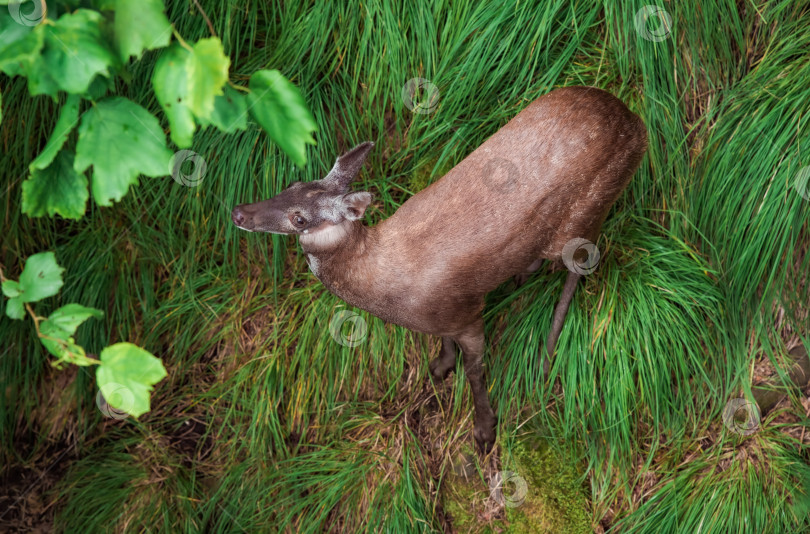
<point>544,180</point>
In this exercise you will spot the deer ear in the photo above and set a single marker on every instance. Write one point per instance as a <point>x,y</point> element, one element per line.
<point>348,165</point>
<point>353,205</point>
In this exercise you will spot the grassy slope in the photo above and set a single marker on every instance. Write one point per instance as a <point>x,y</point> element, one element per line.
<point>265,420</point>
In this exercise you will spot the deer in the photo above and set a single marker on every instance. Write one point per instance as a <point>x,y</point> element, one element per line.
<point>542,181</point>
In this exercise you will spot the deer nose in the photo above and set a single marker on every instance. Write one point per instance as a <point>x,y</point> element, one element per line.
<point>237,216</point>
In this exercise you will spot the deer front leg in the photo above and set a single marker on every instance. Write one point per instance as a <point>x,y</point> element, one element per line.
<point>445,362</point>
<point>472,349</point>
<point>523,277</point>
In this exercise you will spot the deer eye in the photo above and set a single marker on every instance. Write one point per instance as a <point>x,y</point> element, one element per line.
<point>298,220</point>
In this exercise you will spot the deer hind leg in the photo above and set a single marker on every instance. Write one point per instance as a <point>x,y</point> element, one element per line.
<point>560,313</point>
<point>445,362</point>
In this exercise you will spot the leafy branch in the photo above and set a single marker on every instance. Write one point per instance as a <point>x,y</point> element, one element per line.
<point>81,53</point>
<point>102,142</point>
<point>122,365</point>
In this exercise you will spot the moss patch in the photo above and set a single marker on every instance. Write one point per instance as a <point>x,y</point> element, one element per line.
<point>551,500</point>
<point>554,500</point>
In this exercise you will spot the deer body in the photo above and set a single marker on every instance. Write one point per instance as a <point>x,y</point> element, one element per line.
<point>548,176</point>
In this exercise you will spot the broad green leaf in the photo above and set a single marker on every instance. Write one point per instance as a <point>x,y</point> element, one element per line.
<point>19,45</point>
<point>41,277</point>
<point>56,190</point>
<point>62,324</point>
<point>75,50</point>
<point>99,88</point>
<point>14,308</point>
<point>14,305</point>
<point>171,82</point>
<point>187,84</point>
<point>207,72</point>
<point>230,111</point>
<point>279,108</point>
<point>130,367</point>
<point>67,349</point>
<point>70,316</point>
<point>11,289</point>
<point>121,140</point>
<point>140,25</point>
<point>68,118</point>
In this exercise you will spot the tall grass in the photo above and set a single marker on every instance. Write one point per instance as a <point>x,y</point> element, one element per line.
<point>265,423</point>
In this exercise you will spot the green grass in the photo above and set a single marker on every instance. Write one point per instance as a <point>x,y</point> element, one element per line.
<point>265,423</point>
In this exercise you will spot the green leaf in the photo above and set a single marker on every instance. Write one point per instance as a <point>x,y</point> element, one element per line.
<point>208,72</point>
<point>56,190</point>
<point>68,118</point>
<point>62,324</point>
<point>19,45</point>
<point>14,308</point>
<point>67,349</point>
<point>131,372</point>
<point>70,316</point>
<point>230,111</point>
<point>41,277</point>
<point>140,25</point>
<point>74,52</point>
<point>171,83</point>
<point>121,140</point>
<point>11,289</point>
<point>99,88</point>
<point>277,105</point>
<point>187,84</point>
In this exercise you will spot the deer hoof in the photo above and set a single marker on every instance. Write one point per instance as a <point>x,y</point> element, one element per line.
<point>484,438</point>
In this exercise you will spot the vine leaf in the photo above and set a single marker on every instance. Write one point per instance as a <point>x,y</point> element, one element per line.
<point>14,305</point>
<point>208,72</point>
<point>133,143</point>
<point>230,111</point>
<point>68,117</point>
<point>131,372</point>
<point>171,84</point>
<point>19,45</point>
<point>140,25</point>
<point>57,189</point>
<point>277,105</point>
<point>74,52</point>
<point>187,83</point>
<point>40,278</point>
<point>62,324</point>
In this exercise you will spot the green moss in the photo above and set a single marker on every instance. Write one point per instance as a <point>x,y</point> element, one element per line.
<point>554,501</point>
<point>465,494</point>
<point>420,178</point>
